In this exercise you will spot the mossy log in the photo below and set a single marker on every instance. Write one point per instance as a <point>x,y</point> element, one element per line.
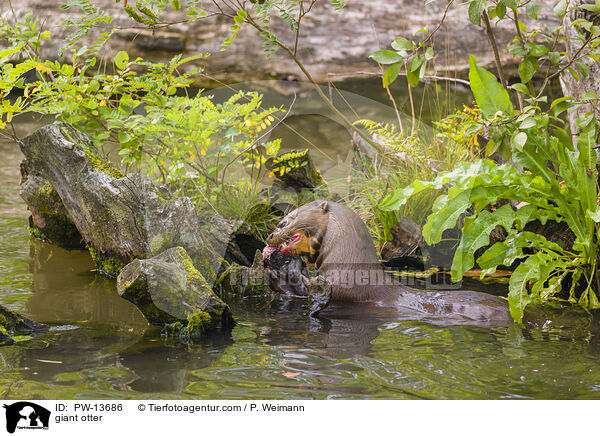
<point>169,290</point>
<point>121,218</point>
<point>49,219</point>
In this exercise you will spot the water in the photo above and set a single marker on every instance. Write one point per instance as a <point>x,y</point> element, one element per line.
<point>101,347</point>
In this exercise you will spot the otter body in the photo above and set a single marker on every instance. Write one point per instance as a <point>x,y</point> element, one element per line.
<point>336,240</point>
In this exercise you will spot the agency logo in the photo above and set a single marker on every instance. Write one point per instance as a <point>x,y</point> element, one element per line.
<point>26,415</point>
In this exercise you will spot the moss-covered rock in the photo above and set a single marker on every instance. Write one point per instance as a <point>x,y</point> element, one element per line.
<point>246,281</point>
<point>169,290</point>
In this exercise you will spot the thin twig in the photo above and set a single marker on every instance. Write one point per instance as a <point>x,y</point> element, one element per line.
<point>387,88</point>
<point>412,105</point>
<point>440,23</point>
<point>490,34</point>
<point>331,106</point>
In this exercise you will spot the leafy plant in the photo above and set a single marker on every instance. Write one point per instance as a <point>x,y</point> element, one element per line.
<point>551,174</point>
<point>551,180</point>
<point>213,153</point>
<point>406,158</point>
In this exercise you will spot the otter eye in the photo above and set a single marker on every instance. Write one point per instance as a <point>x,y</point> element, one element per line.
<point>282,223</point>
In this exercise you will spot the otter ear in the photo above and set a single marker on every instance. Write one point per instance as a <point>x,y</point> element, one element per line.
<point>323,205</point>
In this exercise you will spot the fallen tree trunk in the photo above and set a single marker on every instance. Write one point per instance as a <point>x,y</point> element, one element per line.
<point>120,217</point>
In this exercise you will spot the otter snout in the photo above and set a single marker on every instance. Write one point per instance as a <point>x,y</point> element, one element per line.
<point>271,238</point>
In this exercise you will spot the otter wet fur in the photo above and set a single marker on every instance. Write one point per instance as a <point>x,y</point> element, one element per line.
<point>337,241</point>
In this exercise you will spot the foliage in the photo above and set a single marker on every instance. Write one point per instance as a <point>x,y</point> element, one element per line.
<point>211,152</point>
<point>406,158</point>
<point>551,175</point>
<point>413,56</point>
<point>457,128</point>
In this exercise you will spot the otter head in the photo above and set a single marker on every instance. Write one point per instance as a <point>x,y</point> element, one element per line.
<point>301,231</point>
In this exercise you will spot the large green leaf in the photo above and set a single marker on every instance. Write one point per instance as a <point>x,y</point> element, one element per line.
<point>391,74</point>
<point>446,217</point>
<point>476,8</point>
<point>386,57</point>
<point>518,294</point>
<point>489,93</point>
<point>476,234</point>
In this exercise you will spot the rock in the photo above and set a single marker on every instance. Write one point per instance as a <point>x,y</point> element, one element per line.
<point>160,41</point>
<point>49,219</point>
<point>12,323</point>
<point>245,281</point>
<point>168,289</point>
<point>360,28</point>
<point>121,218</point>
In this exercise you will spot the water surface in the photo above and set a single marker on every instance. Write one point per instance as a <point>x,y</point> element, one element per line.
<point>101,347</point>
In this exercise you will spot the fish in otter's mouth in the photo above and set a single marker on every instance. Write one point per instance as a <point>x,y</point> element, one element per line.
<point>293,246</point>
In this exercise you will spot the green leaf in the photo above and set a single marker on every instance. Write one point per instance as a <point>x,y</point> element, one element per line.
<point>93,86</point>
<point>521,88</point>
<point>124,137</point>
<point>476,8</point>
<point>429,54</point>
<point>554,57</point>
<point>533,9</point>
<point>561,8</point>
<point>489,93</point>
<point>518,294</point>
<point>391,74</point>
<point>594,215</point>
<point>492,258</point>
<point>582,68</point>
<point>413,78</point>
<point>528,123</point>
<point>476,234</point>
<point>526,70</point>
<point>591,8</point>
<point>449,210</point>
<point>589,95</point>
<point>386,57</point>
<point>574,73</point>
<point>415,63</point>
<point>500,10</point>
<point>559,100</point>
<point>121,60</point>
<point>537,49</point>
<point>402,44</point>
<point>510,4</point>
<point>176,4</point>
<point>491,147</point>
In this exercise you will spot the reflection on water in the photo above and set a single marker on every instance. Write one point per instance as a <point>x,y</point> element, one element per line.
<point>101,347</point>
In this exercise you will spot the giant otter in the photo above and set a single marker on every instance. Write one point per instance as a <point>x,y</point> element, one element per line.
<point>337,242</point>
